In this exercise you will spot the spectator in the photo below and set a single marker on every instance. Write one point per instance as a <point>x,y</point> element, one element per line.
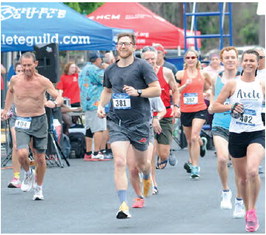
<point>214,67</point>
<point>91,86</point>
<point>69,89</point>
<point>68,84</point>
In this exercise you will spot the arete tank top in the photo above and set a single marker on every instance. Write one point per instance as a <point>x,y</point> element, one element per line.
<point>249,94</point>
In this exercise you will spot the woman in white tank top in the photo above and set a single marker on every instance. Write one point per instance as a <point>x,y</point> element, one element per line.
<point>247,133</point>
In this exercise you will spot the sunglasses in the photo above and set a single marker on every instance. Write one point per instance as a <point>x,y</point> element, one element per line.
<point>191,57</point>
<point>126,44</point>
<point>262,57</point>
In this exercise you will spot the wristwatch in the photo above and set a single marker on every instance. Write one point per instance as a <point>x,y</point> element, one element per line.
<point>139,92</point>
<point>175,105</point>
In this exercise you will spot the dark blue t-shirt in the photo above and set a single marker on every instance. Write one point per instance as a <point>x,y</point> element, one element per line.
<point>138,75</point>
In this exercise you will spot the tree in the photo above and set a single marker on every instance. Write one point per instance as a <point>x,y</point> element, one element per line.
<point>84,8</point>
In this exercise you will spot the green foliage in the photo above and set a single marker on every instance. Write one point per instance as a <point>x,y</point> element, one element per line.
<point>247,27</point>
<point>84,8</point>
<point>249,34</point>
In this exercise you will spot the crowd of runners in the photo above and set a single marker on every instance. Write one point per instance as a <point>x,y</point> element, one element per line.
<point>144,97</point>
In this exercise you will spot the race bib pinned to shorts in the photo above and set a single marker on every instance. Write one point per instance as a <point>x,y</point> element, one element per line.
<point>121,101</point>
<point>23,122</point>
<point>190,98</point>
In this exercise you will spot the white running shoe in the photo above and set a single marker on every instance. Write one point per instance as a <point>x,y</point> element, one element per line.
<point>38,193</point>
<point>226,200</point>
<point>28,181</point>
<point>239,211</point>
<point>14,183</point>
<point>203,147</point>
<point>99,156</point>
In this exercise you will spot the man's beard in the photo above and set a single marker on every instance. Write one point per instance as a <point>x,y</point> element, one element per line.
<point>125,54</point>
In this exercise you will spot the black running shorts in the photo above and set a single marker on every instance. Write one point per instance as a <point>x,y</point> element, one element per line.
<point>187,118</point>
<point>238,143</point>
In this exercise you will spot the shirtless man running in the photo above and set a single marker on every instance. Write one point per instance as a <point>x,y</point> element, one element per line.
<point>27,92</point>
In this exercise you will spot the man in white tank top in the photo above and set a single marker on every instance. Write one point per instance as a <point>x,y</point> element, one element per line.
<point>246,132</point>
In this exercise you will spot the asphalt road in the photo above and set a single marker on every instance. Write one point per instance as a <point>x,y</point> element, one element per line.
<point>82,199</point>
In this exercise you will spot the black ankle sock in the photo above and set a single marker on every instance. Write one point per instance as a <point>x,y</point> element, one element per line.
<point>95,153</point>
<point>89,153</point>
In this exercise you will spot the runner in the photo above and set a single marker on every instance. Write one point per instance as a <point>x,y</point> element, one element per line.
<point>27,91</point>
<point>128,83</point>
<point>193,82</point>
<point>220,130</point>
<point>135,176</point>
<point>246,131</point>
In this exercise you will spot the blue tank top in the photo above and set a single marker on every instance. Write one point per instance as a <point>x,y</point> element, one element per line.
<point>221,119</point>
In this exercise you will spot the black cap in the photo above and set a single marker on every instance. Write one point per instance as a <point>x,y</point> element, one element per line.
<point>94,55</point>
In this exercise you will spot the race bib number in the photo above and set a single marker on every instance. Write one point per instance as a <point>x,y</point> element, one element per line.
<point>190,98</point>
<point>23,122</point>
<point>247,117</point>
<point>121,101</point>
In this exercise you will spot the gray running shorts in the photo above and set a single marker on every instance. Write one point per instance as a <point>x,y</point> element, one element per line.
<point>38,131</point>
<point>137,135</point>
<point>12,121</point>
<point>93,122</point>
<point>220,131</point>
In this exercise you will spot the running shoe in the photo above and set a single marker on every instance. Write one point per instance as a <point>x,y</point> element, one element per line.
<point>139,203</point>
<point>226,200</point>
<point>28,181</point>
<point>195,172</point>
<point>239,210</point>
<point>172,159</point>
<point>146,187</point>
<point>37,194</point>
<point>187,167</point>
<point>87,157</point>
<point>99,156</point>
<point>203,147</point>
<point>14,183</point>
<point>252,222</point>
<point>108,156</point>
<point>123,212</point>
<point>155,190</point>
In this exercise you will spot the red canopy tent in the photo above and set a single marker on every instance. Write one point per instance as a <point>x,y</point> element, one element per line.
<point>149,27</point>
